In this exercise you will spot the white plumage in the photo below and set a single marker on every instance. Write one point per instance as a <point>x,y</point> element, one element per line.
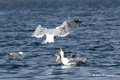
<point>71,61</point>
<point>18,55</point>
<point>49,38</point>
<point>58,59</point>
<point>62,31</point>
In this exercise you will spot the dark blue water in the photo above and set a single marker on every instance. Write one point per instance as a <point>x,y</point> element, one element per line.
<point>98,39</point>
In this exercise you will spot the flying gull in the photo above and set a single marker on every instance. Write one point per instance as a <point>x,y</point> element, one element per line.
<point>62,31</point>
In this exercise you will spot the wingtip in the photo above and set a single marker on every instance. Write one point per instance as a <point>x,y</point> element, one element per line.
<point>78,21</point>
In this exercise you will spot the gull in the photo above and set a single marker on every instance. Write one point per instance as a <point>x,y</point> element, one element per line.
<point>18,55</point>
<point>71,61</point>
<point>63,30</point>
<point>58,59</point>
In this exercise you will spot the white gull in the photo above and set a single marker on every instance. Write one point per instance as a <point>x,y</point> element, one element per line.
<point>62,31</point>
<point>71,61</point>
<point>17,55</point>
<point>58,59</point>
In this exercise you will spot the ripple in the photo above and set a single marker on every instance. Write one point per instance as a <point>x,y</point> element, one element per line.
<point>97,39</point>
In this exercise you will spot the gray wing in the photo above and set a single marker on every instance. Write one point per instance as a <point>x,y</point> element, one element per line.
<point>63,30</point>
<point>14,56</point>
<point>67,27</point>
<point>39,32</point>
<point>77,61</point>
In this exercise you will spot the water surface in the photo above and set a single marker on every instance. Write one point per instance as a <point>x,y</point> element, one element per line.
<point>97,39</point>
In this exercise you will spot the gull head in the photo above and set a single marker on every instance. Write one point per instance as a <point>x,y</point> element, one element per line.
<point>61,52</point>
<point>21,53</point>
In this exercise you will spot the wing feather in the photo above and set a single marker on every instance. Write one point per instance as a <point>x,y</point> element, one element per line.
<point>62,31</point>
<point>39,32</point>
<point>67,27</point>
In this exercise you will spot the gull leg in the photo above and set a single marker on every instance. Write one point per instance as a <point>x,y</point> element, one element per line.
<point>43,42</point>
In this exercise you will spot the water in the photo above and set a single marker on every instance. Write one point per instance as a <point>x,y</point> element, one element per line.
<point>98,39</point>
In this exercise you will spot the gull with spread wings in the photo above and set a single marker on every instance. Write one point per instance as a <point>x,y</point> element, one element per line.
<point>62,31</point>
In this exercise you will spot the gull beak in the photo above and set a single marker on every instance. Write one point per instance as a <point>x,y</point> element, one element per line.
<point>60,49</point>
<point>25,54</point>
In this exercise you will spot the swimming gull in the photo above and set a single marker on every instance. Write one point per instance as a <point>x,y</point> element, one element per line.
<point>58,59</point>
<point>62,31</point>
<point>71,61</point>
<point>18,55</point>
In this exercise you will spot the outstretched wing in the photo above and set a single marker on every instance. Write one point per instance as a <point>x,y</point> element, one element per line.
<point>63,30</point>
<point>67,27</point>
<point>39,32</point>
